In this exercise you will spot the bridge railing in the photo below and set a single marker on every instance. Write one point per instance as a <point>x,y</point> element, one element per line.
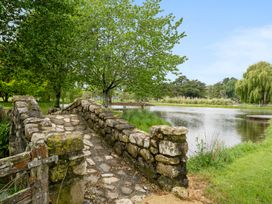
<point>159,155</point>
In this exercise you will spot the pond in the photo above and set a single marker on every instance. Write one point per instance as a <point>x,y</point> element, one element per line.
<point>227,126</point>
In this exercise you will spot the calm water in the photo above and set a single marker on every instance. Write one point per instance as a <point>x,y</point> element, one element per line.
<point>228,126</point>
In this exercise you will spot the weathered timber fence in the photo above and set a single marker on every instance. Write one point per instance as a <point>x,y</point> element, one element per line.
<point>37,150</point>
<point>160,155</point>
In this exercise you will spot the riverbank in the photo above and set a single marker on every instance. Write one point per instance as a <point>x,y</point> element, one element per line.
<point>241,174</point>
<point>237,106</point>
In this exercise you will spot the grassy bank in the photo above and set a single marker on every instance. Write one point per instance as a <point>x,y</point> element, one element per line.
<point>241,174</point>
<point>43,105</point>
<point>143,119</point>
<point>236,106</point>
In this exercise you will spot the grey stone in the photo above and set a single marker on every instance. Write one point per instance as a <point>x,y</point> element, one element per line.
<point>154,150</point>
<point>168,170</point>
<point>67,120</point>
<point>69,128</point>
<point>146,155</point>
<point>170,148</point>
<point>140,138</point>
<point>88,143</point>
<point>107,175</point>
<point>92,179</point>
<point>139,188</point>
<point>125,190</point>
<point>108,157</point>
<point>167,160</point>
<point>110,180</point>
<point>105,167</point>
<point>87,137</point>
<point>132,150</point>
<point>90,161</point>
<point>110,187</point>
<point>111,195</point>
<point>137,198</point>
<point>123,201</point>
<point>123,138</point>
<point>80,169</point>
<point>180,192</point>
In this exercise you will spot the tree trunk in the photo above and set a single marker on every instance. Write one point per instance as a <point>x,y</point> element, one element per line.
<point>106,96</point>
<point>6,97</point>
<point>57,100</point>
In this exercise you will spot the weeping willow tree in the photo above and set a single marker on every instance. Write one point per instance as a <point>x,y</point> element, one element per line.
<point>256,85</point>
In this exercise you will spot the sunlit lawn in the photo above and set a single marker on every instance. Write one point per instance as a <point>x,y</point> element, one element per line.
<point>245,176</point>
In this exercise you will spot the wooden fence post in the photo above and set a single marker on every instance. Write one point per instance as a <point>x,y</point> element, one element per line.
<point>39,174</point>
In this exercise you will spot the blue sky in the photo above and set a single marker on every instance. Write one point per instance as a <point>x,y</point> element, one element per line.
<point>223,37</point>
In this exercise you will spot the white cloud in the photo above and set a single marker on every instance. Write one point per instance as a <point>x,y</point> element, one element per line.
<point>233,55</point>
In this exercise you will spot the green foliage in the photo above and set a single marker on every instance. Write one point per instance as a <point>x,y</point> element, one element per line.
<point>182,86</point>
<point>256,85</point>
<point>186,100</point>
<point>47,42</point>
<point>129,46</point>
<point>143,119</point>
<point>4,138</point>
<point>223,89</point>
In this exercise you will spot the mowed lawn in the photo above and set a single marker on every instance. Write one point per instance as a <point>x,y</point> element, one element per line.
<point>247,180</point>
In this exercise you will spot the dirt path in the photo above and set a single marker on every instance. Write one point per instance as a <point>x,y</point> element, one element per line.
<point>196,191</point>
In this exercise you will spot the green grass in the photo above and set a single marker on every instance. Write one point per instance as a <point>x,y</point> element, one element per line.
<point>44,106</point>
<point>237,106</point>
<point>243,174</point>
<point>143,119</point>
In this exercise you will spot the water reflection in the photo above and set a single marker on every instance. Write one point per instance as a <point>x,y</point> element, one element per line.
<point>229,126</point>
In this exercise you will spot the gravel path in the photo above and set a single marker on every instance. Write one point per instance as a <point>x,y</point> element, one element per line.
<point>108,178</point>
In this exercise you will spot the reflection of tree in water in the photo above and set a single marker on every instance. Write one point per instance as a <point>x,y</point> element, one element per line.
<point>181,120</point>
<point>251,130</point>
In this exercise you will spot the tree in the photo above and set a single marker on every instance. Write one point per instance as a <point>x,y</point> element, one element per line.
<point>46,39</point>
<point>194,89</point>
<point>223,89</point>
<point>256,85</point>
<point>129,46</point>
<point>183,86</point>
<point>12,14</point>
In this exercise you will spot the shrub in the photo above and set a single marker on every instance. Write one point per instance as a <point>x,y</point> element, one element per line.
<point>216,155</point>
<point>187,100</point>
<point>4,139</point>
<point>143,119</point>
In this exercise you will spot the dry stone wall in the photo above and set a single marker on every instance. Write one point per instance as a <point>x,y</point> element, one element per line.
<point>159,155</point>
<point>30,129</point>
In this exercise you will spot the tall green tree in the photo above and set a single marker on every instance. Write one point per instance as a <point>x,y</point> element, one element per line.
<point>223,89</point>
<point>183,86</point>
<point>47,40</point>
<point>256,85</point>
<point>129,46</point>
<point>12,14</point>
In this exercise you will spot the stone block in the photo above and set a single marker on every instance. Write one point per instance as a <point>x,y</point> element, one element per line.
<point>140,138</point>
<point>170,148</point>
<point>61,144</point>
<point>123,138</point>
<point>154,150</point>
<point>118,148</point>
<point>167,160</point>
<point>132,150</point>
<point>175,134</point>
<point>168,170</point>
<point>146,155</point>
